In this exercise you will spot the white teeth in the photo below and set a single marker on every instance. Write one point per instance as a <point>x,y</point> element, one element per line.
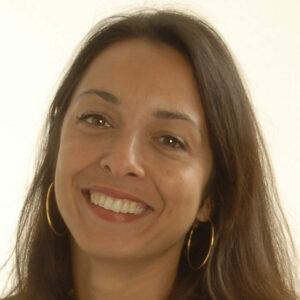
<point>117,205</point>
<point>125,207</point>
<point>102,201</point>
<point>132,207</point>
<point>107,203</point>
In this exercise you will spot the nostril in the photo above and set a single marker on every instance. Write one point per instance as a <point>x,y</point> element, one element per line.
<point>106,167</point>
<point>132,174</point>
<point>121,167</point>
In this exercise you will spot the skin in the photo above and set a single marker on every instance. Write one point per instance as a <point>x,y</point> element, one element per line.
<point>132,151</point>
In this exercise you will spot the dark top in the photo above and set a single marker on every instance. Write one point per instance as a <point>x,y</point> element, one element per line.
<point>16,297</point>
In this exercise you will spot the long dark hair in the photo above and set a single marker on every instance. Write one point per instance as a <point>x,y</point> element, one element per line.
<point>249,259</point>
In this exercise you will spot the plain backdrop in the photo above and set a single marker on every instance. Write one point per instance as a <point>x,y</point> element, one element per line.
<point>38,37</point>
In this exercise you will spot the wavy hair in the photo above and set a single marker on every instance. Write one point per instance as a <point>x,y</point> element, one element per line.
<point>250,257</point>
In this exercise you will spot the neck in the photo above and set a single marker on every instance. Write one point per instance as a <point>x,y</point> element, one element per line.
<point>148,279</point>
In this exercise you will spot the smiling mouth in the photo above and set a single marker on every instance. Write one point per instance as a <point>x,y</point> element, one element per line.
<point>116,205</point>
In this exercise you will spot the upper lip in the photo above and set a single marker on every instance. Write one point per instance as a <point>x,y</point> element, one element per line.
<point>115,194</point>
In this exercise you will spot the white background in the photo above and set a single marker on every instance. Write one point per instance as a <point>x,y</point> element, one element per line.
<point>37,38</point>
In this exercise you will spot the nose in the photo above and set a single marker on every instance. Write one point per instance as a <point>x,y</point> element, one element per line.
<point>123,158</point>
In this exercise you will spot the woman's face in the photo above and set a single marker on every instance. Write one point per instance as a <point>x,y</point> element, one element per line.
<point>134,130</point>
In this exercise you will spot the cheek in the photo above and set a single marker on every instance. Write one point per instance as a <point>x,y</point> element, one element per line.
<point>182,187</point>
<point>74,154</point>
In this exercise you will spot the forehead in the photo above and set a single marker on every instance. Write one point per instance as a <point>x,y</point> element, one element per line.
<point>146,72</point>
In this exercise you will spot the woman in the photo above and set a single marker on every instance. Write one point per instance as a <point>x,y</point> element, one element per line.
<point>153,181</point>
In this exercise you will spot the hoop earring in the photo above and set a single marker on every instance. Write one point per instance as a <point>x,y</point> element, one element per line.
<point>48,213</point>
<point>196,268</point>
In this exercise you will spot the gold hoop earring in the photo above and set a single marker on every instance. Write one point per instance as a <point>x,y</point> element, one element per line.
<point>48,213</point>
<point>209,250</point>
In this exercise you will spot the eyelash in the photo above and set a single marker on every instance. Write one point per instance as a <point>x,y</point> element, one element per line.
<point>94,117</point>
<point>176,143</point>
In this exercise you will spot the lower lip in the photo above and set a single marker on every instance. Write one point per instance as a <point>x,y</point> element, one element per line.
<point>112,216</point>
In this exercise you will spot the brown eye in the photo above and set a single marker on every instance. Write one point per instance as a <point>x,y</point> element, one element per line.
<point>172,142</point>
<point>93,119</point>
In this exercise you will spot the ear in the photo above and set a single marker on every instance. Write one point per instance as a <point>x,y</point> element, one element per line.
<point>205,211</point>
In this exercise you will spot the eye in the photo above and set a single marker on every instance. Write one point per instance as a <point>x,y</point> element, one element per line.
<point>172,142</point>
<point>94,119</point>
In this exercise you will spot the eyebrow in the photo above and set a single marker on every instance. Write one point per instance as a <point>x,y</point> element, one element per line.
<point>171,115</point>
<point>106,96</point>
